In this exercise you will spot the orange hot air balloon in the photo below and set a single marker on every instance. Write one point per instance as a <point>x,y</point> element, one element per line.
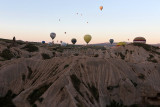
<point>101,7</point>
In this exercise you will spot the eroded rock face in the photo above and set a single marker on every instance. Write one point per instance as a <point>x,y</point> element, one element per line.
<point>127,75</point>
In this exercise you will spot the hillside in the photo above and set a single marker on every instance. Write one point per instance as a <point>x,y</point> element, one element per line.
<point>37,75</point>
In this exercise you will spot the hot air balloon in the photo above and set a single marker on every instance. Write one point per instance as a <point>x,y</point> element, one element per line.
<point>73,40</point>
<point>139,40</point>
<point>101,8</point>
<point>65,32</point>
<point>52,35</point>
<point>50,44</point>
<point>111,41</point>
<point>87,38</point>
<point>43,42</point>
<point>121,43</point>
<point>63,44</point>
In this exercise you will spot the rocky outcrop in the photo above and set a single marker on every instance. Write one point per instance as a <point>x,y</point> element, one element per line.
<point>92,78</point>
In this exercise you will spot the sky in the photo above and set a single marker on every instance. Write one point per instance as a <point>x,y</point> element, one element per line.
<point>34,20</point>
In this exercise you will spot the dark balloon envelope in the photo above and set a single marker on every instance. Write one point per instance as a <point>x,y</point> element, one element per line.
<point>73,40</point>
<point>111,41</point>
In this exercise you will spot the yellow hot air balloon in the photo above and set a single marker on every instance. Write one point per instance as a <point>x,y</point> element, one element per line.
<point>101,7</point>
<point>121,43</point>
<point>87,38</point>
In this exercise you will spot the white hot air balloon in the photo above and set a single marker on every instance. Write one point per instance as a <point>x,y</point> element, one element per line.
<point>50,44</point>
<point>52,35</point>
<point>64,44</point>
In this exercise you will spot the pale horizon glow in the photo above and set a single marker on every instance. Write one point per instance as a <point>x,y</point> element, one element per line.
<point>119,20</point>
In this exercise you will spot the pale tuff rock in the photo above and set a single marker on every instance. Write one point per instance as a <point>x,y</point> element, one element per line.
<point>92,78</point>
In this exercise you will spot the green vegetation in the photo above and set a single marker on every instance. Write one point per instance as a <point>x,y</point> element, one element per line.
<point>40,99</point>
<point>11,41</point>
<point>121,55</point>
<point>134,105</point>
<point>90,98</point>
<point>76,54</point>
<point>20,42</point>
<point>6,101</point>
<point>60,50</point>
<point>131,52</point>
<point>126,51</point>
<point>141,76</point>
<point>110,88</point>
<point>148,47</point>
<point>37,93</point>
<point>94,47</point>
<point>54,54</point>
<point>6,40</point>
<point>34,105</point>
<point>76,83</point>
<point>45,56</point>
<point>135,84</point>
<point>29,72</point>
<point>79,104</point>
<point>94,92</point>
<point>115,104</point>
<point>7,54</point>
<point>23,77</point>
<point>96,55</point>
<point>30,48</point>
<point>151,59</point>
<point>66,66</point>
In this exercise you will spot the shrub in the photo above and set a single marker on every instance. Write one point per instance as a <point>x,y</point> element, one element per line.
<point>135,84</point>
<point>94,92</point>
<point>154,61</point>
<point>90,98</point>
<point>37,93</point>
<point>23,77</point>
<point>40,99</point>
<point>110,88</point>
<point>20,42</point>
<point>45,56</point>
<point>66,66</point>
<point>76,83</point>
<point>148,47</point>
<point>30,48</point>
<point>141,76</point>
<point>7,54</point>
<point>29,72</point>
<point>6,101</point>
<point>96,55</point>
<point>126,51</point>
<point>122,56</point>
<point>151,59</point>
<point>131,52</point>
<point>54,54</point>
<point>34,105</point>
<point>76,54</point>
<point>115,104</point>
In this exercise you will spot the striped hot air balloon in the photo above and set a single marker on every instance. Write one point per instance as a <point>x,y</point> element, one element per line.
<point>139,40</point>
